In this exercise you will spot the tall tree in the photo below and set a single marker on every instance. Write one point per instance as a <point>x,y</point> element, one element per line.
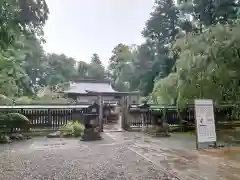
<point>96,59</point>
<point>60,68</point>
<point>160,32</point>
<point>19,20</point>
<point>35,63</point>
<point>82,69</point>
<point>210,12</point>
<point>95,69</point>
<point>121,54</point>
<point>120,67</point>
<point>21,17</point>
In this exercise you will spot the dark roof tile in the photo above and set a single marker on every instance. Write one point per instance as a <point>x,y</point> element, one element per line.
<point>83,87</point>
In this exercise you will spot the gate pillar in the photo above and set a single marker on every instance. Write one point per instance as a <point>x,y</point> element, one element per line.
<point>100,103</point>
<point>124,111</point>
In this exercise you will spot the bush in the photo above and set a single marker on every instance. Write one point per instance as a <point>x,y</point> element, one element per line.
<point>23,100</point>
<point>4,100</point>
<point>73,128</point>
<point>4,139</point>
<point>77,129</point>
<point>13,120</point>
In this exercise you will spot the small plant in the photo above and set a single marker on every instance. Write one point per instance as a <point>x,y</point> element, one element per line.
<point>72,129</point>
<point>4,139</point>
<point>77,129</point>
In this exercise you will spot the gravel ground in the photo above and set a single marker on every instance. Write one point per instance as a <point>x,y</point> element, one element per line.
<point>86,161</point>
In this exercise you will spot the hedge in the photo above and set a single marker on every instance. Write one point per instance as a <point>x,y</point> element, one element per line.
<point>13,120</point>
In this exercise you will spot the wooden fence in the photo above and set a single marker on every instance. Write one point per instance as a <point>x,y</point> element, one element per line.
<point>48,116</point>
<point>136,118</point>
<point>55,116</point>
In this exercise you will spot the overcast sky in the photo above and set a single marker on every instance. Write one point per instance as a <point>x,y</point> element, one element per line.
<point>79,28</point>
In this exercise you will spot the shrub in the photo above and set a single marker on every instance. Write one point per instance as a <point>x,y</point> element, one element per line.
<point>4,100</point>
<point>73,128</point>
<point>77,129</point>
<point>14,120</point>
<point>4,139</point>
<point>23,100</point>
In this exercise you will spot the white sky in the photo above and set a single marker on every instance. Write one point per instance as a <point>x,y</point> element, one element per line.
<point>79,28</point>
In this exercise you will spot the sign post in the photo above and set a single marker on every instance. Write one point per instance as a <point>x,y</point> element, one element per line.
<point>205,123</point>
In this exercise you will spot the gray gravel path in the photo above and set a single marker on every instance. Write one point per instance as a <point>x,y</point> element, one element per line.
<point>82,161</point>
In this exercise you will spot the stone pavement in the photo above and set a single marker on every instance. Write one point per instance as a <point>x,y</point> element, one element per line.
<point>120,156</point>
<point>71,159</point>
<point>177,156</point>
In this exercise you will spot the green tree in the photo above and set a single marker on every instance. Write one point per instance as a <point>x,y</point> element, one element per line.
<point>95,69</point>
<point>152,59</point>
<point>96,72</point>
<point>21,17</point>
<point>60,69</point>
<point>96,59</point>
<point>82,69</point>
<point>35,63</point>
<point>20,20</point>
<point>207,66</point>
<point>210,12</point>
<point>120,67</point>
<point>144,71</point>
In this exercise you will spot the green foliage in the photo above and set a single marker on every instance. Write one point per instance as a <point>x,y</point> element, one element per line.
<point>77,129</point>
<point>203,57</point>
<point>4,139</point>
<point>4,100</point>
<point>137,67</point>
<point>14,120</point>
<point>209,12</point>
<point>51,99</point>
<point>21,17</point>
<point>72,129</point>
<point>20,20</point>
<point>96,72</point>
<point>120,67</point>
<point>182,58</point>
<point>82,69</point>
<point>207,67</point>
<point>96,59</point>
<point>217,50</point>
<point>23,100</point>
<point>165,90</point>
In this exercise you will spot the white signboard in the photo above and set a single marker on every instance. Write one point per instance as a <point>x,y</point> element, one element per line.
<point>205,122</point>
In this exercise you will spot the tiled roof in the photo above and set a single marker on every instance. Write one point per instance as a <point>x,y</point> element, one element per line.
<point>84,87</point>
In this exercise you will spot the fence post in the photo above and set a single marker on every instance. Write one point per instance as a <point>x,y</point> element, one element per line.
<point>49,118</point>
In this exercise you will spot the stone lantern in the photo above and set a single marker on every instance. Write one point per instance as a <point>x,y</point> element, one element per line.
<point>91,122</point>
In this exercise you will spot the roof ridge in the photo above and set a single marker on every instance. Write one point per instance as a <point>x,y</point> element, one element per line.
<point>92,81</point>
